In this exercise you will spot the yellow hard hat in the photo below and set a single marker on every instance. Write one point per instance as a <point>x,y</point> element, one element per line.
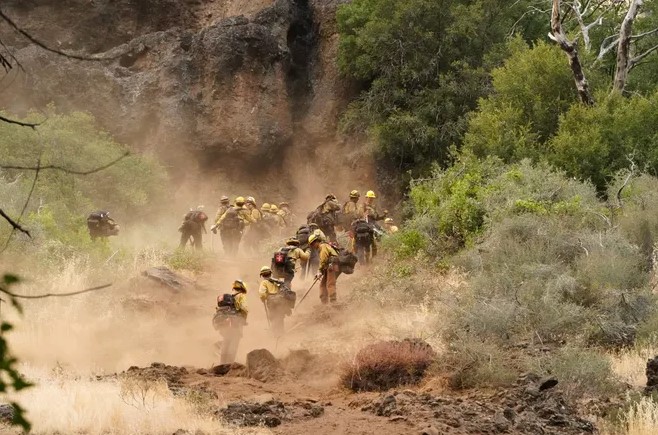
<point>354,194</point>
<point>388,221</point>
<point>283,204</point>
<point>313,238</point>
<point>239,200</point>
<point>238,284</point>
<point>251,200</point>
<point>265,270</point>
<point>265,207</point>
<point>223,199</point>
<point>274,208</point>
<point>292,242</point>
<point>371,194</point>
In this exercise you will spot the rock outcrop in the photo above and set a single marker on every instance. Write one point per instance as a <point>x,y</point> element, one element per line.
<point>228,85</point>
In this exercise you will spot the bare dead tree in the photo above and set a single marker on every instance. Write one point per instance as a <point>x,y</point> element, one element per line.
<point>570,48</point>
<point>580,12</point>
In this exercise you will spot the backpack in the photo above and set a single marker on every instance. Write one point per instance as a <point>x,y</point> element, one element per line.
<point>282,260</point>
<point>226,300</point>
<point>362,227</point>
<point>198,217</point>
<point>232,220</point>
<point>303,233</point>
<point>289,296</point>
<point>346,261</point>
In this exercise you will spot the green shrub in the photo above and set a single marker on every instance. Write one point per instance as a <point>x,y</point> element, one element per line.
<point>131,189</point>
<point>581,372</point>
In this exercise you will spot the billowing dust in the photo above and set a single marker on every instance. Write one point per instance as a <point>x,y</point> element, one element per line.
<point>64,342</point>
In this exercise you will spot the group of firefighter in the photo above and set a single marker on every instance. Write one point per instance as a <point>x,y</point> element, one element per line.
<point>313,251</point>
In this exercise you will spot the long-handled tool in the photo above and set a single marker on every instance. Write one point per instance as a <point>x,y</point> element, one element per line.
<point>267,315</point>
<point>306,294</point>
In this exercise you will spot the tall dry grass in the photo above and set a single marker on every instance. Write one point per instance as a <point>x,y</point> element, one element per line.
<point>73,404</point>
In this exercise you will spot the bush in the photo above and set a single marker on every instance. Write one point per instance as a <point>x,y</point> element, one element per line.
<point>387,364</point>
<point>582,372</point>
<point>130,189</point>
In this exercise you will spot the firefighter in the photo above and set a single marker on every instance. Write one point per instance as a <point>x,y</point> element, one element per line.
<point>229,320</point>
<point>329,269</point>
<point>287,260</point>
<point>192,228</point>
<point>277,299</point>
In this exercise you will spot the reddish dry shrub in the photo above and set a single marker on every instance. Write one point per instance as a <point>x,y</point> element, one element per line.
<point>387,364</point>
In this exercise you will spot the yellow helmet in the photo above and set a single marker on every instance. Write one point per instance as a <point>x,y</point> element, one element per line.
<point>273,208</point>
<point>355,194</point>
<point>239,200</point>
<point>251,200</point>
<point>239,285</point>
<point>371,194</point>
<point>224,199</point>
<point>313,238</point>
<point>265,207</point>
<point>265,270</point>
<point>388,221</point>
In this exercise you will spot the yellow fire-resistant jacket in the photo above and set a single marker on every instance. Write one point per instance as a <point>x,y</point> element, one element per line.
<point>255,214</point>
<point>299,254</point>
<point>267,288</point>
<point>241,304</point>
<point>220,212</point>
<point>278,220</point>
<point>327,254</point>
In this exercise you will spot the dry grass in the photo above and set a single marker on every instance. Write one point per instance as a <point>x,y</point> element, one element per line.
<point>69,404</point>
<point>387,364</point>
<point>630,364</point>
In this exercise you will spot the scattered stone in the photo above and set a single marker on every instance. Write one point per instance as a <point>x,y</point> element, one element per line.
<point>6,413</point>
<point>547,384</point>
<point>270,413</point>
<point>520,409</point>
<point>430,431</point>
<point>234,369</point>
<point>168,278</point>
<point>262,365</point>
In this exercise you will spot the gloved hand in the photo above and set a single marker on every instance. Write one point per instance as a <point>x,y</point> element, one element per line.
<point>318,275</point>
<point>214,229</point>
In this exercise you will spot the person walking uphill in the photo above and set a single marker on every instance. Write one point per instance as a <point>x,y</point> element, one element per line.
<point>288,259</point>
<point>329,269</point>
<point>230,317</point>
<point>192,228</point>
<point>277,299</point>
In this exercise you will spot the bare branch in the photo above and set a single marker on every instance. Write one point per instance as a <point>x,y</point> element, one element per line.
<point>67,170</point>
<point>22,124</point>
<point>569,47</point>
<point>631,172</point>
<point>637,59</point>
<point>605,49</point>
<point>53,295</point>
<point>642,35</point>
<point>48,48</point>
<point>585,28</point>
<point>14,224</point>
<point>27,202</point>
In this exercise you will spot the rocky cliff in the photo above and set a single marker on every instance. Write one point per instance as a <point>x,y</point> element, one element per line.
<point>236,87</point>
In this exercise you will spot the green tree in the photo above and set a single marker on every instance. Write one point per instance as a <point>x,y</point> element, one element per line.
<point>596,142</point>
<point>530,91</point>
<point>424,65</point>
